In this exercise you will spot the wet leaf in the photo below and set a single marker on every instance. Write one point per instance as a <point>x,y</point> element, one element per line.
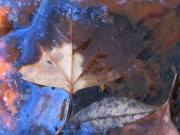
<point>135,10</point>
<point>8,98</point>
<point>159,122</point>
<point>109,113</point>
<point>65,65</point>
<point>115,115</point>
<point>5,22</point>
<point>105,44</point>
<point>72,61</point>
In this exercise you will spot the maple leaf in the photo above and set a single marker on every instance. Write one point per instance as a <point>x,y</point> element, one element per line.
<point>73,56</point>
<point>64,64</point>
<point>63,67</point>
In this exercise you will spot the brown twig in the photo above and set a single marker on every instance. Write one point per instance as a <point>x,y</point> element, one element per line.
<point>68,117</point>
<point>174,83</point>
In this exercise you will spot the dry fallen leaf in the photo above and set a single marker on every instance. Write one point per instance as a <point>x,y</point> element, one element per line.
<point>109,113</point>
<point>157,123</point>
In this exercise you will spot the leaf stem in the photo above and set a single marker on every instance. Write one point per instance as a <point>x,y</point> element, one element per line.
<point>174,82</point>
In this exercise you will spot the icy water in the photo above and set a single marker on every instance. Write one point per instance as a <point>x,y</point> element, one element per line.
<point>138,38</point>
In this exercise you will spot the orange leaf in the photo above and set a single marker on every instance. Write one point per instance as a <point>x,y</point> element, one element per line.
<point>5,23</point>
<point>3,67</point>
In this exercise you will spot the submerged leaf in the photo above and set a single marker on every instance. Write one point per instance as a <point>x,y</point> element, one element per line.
<point>121,116</point>
<point>71,61</point>
<point>71,47</point>
<point>5,22</point>
<point>63,67</point>
<point>159,122</point>
<point>121,107</point>
<point>110,113</point>
<point>135,10</point>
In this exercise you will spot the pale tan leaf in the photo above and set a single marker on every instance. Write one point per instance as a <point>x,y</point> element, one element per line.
<point>112,112</point>
<point>57,80</point>
<point>63,67</point>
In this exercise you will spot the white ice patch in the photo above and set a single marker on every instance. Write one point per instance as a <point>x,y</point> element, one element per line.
<point>121,2</point>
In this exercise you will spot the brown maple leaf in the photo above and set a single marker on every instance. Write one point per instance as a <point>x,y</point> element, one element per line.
<point>68,65</point>
<point>71,60</point>
<point>64,67</point>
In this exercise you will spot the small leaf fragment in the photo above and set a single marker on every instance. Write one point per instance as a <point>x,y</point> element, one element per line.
<point>5,23</point>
